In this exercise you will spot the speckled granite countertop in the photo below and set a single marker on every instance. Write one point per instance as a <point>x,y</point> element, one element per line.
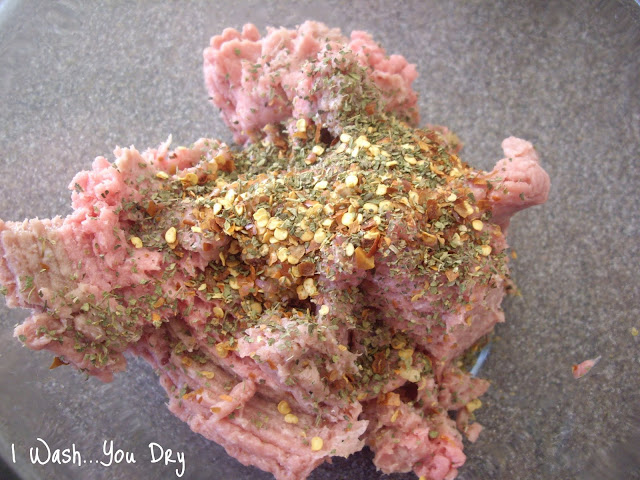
<point>78,78</point>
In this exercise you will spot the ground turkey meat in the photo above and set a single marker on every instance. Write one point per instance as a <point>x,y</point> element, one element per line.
<point>301,297</point>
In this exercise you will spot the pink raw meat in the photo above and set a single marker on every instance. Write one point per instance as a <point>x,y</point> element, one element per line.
<point>301,298</point>
<point>581,369</point>
<point>258,81</point>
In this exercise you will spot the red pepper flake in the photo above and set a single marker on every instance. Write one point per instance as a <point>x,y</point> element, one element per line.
<point>374,247</point>
<point>152,208</point>
<point>158,303</point>
<point>370,109</point>
<point>306,269</point>
<point>379,364</point>
<point>57,362</point>
<point>363,261</point>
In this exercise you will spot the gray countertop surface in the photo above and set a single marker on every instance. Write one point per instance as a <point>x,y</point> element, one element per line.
<point>78,78</point>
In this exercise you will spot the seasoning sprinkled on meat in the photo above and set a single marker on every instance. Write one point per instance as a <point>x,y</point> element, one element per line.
<point>316,291</point>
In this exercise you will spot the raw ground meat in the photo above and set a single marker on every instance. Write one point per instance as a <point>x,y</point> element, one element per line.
<point>259,81</point>
<point>581,369</point>
<point>310,294</point>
